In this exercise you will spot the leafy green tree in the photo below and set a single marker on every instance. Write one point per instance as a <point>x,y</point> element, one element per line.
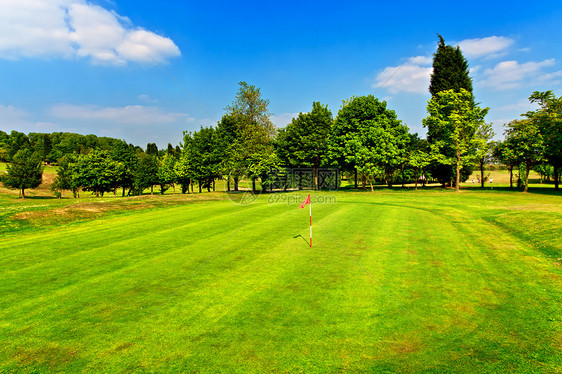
<point>458,120</point>
<point>145,174</point>
<point>97,172</point>
<point>3,154</point>
<point>505,154</point>
<point>526,142</point>
<point>303,143</point>
<point>484,147</point>
<point>203,155</point>
<point>63,180</point>
<point>167,172</point>
<point>549,119</point>
<point>25,171</point>
<point>152,149</point>
<point>230,145</point>
<point>417,156</point>
<point>183,173</point>
<point>18,141</point>
<point>367,137</point>
<point>125,154</point>
<point>254,127</point>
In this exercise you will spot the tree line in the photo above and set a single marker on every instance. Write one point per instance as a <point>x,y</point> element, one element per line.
<point>365,140</point>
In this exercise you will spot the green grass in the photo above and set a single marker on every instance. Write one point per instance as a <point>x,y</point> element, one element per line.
<point>397,281</point>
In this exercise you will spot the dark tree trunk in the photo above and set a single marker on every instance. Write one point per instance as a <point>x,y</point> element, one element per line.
<point>235,183</point>
<point>528,168</point>
<point>253,184</point>
<point>23,193</point>
<point>482,174</point>
<point>213,184</point>
<point>199,183</point>
<point>458,178</point>
<point>511,177</point>
<point>228,184</point>
<point>355,178</point>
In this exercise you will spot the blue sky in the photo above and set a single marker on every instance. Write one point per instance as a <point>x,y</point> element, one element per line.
<point>103,67</point>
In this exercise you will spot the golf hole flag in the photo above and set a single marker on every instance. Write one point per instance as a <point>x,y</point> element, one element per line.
<point>307,201</point>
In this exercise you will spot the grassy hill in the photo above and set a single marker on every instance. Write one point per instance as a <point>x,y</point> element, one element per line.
<point>397,281</point>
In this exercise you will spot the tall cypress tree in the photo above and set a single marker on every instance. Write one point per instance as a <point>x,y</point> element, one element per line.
<point>450,71</point>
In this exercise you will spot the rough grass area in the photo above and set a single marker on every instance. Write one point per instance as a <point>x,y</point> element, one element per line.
<point>427,281</point>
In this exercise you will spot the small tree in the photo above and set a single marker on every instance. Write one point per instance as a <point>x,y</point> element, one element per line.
<point>167,172</point>
<point>525,140</point>
<point>24,172</point>
<point>484,147</point>
<point>63,180</point>
<point>505,154</point>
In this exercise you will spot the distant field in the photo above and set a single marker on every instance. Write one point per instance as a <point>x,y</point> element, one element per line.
<point>397,281</point>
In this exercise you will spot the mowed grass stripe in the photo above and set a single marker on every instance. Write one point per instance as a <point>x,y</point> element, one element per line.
<point>16,251</point>
<point>121,252</point>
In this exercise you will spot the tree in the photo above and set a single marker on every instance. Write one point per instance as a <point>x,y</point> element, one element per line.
<point>18,141</point>
<point>97,172</point>
<point>458,120</point>
<point>524,139</point>
<point>484,147</point>
<point>203,155</point>
<point>146,173</point>
<point>182,171</point>
<point>549,120</point>
<point>303,143</point>
<point>368,138</point>
<point>417,156</point>
<point>254,127</point>
<point>167,172</point>
<point>25,171</point>
<point>125,154</point>
<point>63,180</point>
<point>450,72</point>
<point>505,154</point>
<point>152,149</point>
<point>230,145</point>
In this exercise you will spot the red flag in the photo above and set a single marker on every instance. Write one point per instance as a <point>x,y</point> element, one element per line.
<point>306,201</point>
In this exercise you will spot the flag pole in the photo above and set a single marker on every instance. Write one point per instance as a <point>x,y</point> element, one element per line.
<point>310,212</point>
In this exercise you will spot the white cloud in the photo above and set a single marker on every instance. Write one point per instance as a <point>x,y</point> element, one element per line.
<point>130,115</point>
<point>420,60</point>
<point>491,46</point>
<point>283,119</point>
<point>408,77</point>
<point>521,106</point>
<point>76,28</point>
<point>511,74</point>
<point>20,120</point>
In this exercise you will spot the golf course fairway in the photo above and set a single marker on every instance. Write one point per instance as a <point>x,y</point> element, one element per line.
<point>396,281</point>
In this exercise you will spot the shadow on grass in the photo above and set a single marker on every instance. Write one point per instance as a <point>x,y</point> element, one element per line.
<point>302,237</point>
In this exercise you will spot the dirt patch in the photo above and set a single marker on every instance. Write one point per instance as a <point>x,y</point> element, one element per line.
<point>406,345</point>
<point>80,211</point>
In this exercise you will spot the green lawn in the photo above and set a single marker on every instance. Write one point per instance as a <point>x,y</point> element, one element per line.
<point>397,281</point>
